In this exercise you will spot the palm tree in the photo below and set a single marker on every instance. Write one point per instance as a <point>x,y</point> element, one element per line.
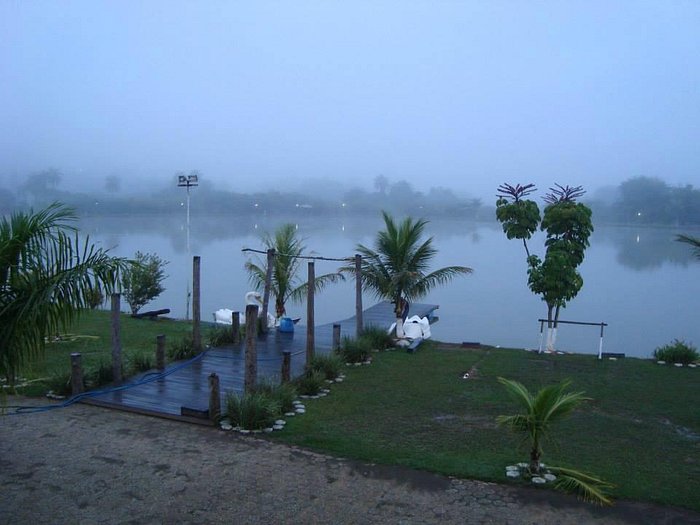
<point>549,405</point>
<point>285,284</point>
<point>46,277</point>
<point>693,241</point>
<point>396,269</point>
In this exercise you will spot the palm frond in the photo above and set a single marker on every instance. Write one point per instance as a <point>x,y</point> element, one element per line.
<point>588,488</point>
<point>692,241</point>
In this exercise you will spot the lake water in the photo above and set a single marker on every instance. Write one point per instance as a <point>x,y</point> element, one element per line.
<point>640,281</point>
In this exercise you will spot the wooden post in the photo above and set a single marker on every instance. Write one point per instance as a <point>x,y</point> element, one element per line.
<point>310,343</point>
<point>336,337</point>
<point>76,374</point>
<point>116,340</point>
<point>160,352</point>
<point>266,292</point>
<point>236,327</point>
<point>286,366</point>
<point>214,397</point>
<point>251,351</point>
<point>196,311</point>
<point>358,294</point>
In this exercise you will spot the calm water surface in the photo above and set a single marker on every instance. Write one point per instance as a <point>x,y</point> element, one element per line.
<point>640,281</point>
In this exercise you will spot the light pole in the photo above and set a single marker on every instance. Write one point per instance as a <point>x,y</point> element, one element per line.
<point>188,181</point>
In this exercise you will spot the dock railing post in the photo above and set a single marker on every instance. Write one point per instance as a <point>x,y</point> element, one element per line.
<point>236,327</point>
<point>214,397</point>
<point>116,340</point>
<point>310,343</point>
<point>196,311</point>
<point>336,337</point>
<point>266,292</point>
<point>600,345</point>
<point>358,294</point>
<point>286,366</point>
<point>160,352</point>
<point>76,374</point>
<point>251,351</point>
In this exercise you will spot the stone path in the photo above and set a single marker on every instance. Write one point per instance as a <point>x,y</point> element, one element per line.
<point>87,465</point>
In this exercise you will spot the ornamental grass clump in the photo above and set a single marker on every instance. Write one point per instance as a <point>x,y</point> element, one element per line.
<point>311,383</point>
<point>330,365</point>
<point>377,338</point>
<point>677,352</point>
<point>354,350</point>
<point>139,362</point>
<point>284,394</point>
<point>220,335</point>
<point>253,411</point>
<point>184,349</point>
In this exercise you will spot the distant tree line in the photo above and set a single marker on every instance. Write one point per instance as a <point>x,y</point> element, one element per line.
<point>649,200</point>
<point>399,197</point>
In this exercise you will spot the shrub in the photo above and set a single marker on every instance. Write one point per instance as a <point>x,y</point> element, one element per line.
<point>253,411</point>
<point>354,350</point>
<point>96,298</point>
<point>377,338</point>
<point>220,335</point>
<point>142,281</point>
<point>310,383</point>
<point>139,362</point>
<point>60,383</point>
<point>330,365</point>
<point>283,394</point>
<point>677,352</point>
<point>182,350</point>
<point>100,375</point>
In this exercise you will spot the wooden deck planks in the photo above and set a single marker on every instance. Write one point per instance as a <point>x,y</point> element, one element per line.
<point>188,386</point>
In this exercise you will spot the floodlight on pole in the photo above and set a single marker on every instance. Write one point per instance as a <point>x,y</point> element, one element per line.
<point>188,181</point>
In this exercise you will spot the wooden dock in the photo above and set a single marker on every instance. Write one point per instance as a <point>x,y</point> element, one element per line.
<point>185,387</point>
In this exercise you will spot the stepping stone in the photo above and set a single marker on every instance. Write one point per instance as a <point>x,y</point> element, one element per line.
<point>278,427</point>
<point>300,410</point>
<point>289,414</point>
<point>538,480</point>
<point>550,477</point>
<point>513,474</point>
<point>280,422</point>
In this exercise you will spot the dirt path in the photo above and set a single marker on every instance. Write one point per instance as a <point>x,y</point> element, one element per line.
<point>89,465</point>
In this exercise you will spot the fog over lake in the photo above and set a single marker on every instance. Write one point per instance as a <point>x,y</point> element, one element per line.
<point>639,280</point>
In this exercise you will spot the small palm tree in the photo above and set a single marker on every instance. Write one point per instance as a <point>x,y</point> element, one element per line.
<point>549,405</point>
<point>693,241</point>
<point>285,284</point>
<point>46,277</point>
<point>397,268</point>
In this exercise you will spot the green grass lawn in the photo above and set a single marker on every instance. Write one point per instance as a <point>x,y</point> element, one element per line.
<point>641,431</point>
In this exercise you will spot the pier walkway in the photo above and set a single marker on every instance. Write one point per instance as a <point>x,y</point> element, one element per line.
<point>187,386</point>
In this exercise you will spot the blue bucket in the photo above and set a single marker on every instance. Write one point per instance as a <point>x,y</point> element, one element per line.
<point>286,325</point>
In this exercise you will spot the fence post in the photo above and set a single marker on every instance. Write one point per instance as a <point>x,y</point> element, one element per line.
<point>116,340</point>
<point>160,352</point>
<point>236,326</point>
<point>76,374</point>
<point>214,397</point>
<point>358,294</point>
<point>286,366</point>
<point>196,311</point>
<point>251,351</point>
<point>336,337</point>
<point>310,343</point>
<point>266,292</point>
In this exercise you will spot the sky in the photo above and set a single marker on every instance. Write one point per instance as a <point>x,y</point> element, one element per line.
<point>465,95</point>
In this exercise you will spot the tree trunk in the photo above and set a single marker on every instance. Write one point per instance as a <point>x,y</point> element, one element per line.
<point>550,328</point>
<point>535,460</point>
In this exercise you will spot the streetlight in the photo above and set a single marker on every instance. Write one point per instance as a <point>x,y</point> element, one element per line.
<point>188,181</point>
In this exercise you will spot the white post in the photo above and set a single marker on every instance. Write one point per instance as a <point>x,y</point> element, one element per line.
<point>600,345</point>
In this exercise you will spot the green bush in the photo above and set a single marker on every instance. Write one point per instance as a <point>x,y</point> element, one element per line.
<point>677,352</point>
<point>284,394</point>
<point>354,350</point>
<point>143,280</point>
<point>377,338</point>
<point>310,383</point>
<point>253,411</point>
<point>60,384</point>
<point>330,365</point>
<point>220,335</point>
<point>183,349</point>
<point>100,375</point>
<point>139,362</point>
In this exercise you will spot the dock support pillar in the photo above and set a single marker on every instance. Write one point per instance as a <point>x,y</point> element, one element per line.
<point>76,374</point>
<point>214,397</point>
<point>251,351</point>
<point>286,366</point>
<point>116,340</point>
<point>336,337</point>
<point>236,327</point>
<point>160,352</point>
<point>310,343</point>
<point>358,294</point>
<point>266,292</point>
<point>196,310</point>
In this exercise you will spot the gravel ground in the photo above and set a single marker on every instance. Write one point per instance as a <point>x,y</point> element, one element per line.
<point>84,465</point>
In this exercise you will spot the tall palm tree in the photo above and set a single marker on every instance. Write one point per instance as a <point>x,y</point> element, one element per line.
<point>286,284</point>
<point>46,277</point>
<point>693,241</point>
<point>549,405</point>
<point>397,268</point>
